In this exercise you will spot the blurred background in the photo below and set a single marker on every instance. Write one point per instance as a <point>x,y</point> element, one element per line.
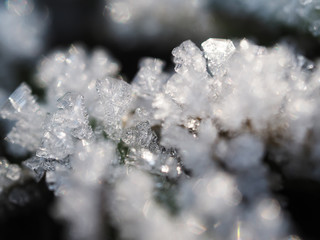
<point>130,30</point>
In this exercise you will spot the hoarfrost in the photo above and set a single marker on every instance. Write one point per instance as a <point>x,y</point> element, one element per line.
<point>191,143</point>
<point>21,106</point>
<point>115,98</point>
<point>9,174</point>
<point>64,127</point>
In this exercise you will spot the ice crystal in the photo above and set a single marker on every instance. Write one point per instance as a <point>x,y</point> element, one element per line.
<point>68,123</point>
<point>150,78</point>
<point>39,166</point>
<point>9,174</point>
<point>115,97</point>
<point>21,106</point>
<point>217,51</point>
<point>81,188</point>
<point>192,142</point>
<point>76,71</point>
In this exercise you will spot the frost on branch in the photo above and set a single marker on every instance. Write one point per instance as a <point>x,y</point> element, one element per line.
<point>29,116</point>
<point>179,155</point>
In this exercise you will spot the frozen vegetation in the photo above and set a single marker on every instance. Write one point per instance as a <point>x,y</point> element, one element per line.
<point>183,154</point>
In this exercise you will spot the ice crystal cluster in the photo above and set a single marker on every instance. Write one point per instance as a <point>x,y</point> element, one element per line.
<point>300,14</point>
<point>9,174</point>
<point>172,155</point>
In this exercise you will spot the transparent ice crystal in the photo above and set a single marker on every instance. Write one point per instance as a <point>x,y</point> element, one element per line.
<point>140,135</point>
<point>192,142</point>
<point>188,57</point>
<point>115,98</point>
<point>68,124</point>
<point>9,174</point>
<point>21,107</point>
<point>75,70</point>
<point>150,77</point>
<point>217,51</point>
<point>39,166</point>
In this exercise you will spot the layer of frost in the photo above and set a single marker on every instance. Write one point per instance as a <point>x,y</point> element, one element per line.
<point>175,155</point>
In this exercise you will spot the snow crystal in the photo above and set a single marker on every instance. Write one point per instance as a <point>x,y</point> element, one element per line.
<point>9,174</point>
<point>39,166</point>
<point>150,78</point>
<point>188,57</point>
<point>21,106</point>
<point>115,97</point>
<point>192,142</point>
<point>80,189</point>
<point>217,51</point>
<point>68,123</point>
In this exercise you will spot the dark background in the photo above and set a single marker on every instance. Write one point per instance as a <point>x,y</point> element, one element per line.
<point>81,21</point>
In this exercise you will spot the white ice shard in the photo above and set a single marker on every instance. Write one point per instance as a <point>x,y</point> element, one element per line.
<point>21,106</point>
<point>115,97</point>
<point>75,70</point>
<point>141,135</point>
<point>9,174</point>
<point>64,127</point>
<point>217,51</point>
<point>80,191</point>
<point>39,166</point>
<point>150,77</point>
<point>204,129</point>
<point>188,57</point>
